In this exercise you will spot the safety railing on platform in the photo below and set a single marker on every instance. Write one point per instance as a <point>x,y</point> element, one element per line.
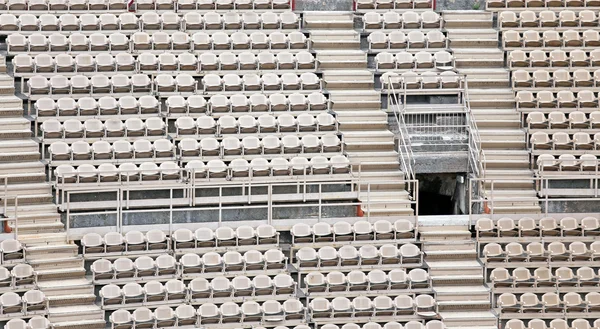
<point>489,196</point>
<point>405,153</point>
<point>183,201</point>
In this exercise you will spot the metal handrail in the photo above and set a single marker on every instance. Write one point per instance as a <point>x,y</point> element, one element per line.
<point>405,152</point>
<point>476,155</point>
<point>539,183</point>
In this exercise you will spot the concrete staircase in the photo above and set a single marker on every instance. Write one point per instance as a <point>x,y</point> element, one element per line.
<point>357,107</point>
<point>474,43</point>
<point>457,276</point>
<point>60,270</point>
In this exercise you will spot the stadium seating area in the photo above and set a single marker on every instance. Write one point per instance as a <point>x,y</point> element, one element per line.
<point>215,110</point>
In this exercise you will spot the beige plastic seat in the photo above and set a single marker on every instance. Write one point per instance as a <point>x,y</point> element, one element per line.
<point>379,40</point>
<point>512,38</point>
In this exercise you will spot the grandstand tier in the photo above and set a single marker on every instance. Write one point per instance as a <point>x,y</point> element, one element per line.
<point>243,164</point>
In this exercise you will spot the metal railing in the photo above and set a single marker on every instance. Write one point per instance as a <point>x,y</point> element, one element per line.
<point>120,207</point>
<point>476,155</point>
<point>6,215</point>
<point>485,201</point>
<point>405,152</point>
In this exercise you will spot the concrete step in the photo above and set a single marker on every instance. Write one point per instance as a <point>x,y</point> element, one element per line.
<point>468,19</point>
<point>369,146</point>
<point>451,268</point>
<point>81,324</point>
<point>75,313</point>
<point>42,239</point>
<point>49,227</point>
<point>335,40</point>
<point>72,300</point>
<point>348,80</point>
<point>477,319</point>
<point>479,54</point>
<point>30,199</point>
<point>461,305</point>
<point>65,287</point>
<point>372,136</point>
<point>342,59</point>
<point>328,20</point>
<point>11,103</point>
<point>65,251</point>
<point>457,280</point>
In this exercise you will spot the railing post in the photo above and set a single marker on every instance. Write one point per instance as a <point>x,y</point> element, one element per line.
<point>270,204</point>
<point>320,201</point>
<point>16,217</point>
<point>368,200</point>
<point>170,211</point>
<point>68,196</point>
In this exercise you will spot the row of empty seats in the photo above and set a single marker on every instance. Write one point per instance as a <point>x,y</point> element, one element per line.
<point>413,39</point>
<point>359,231</point>
<point>567,162</point>
<point>547,19</point>
<point>406,20</point>
<point>35,322</point>
<point>555,58</point>
<point>552,4</point>
<point>528,227</point>
<point>94,128</point>
<point>257,103</point>
<point>128,172</point>
<point>425,80</point>
<point>433,324</point>
<point>558,120</point>
<point>93,243</point>
<point>149,21</point>
<point>267,145</point>
<point>562,141</point>
<point>119,83</point>
<point>33,301</point>
<point>554,99</point>
<point>349,255</point>
<point>343,307</point>
<point>555,79</point>
<point>195,104</point>
<point>106,105</point>
<point>199,288</point>
<point>207,147</point>
<point>124,62</point>
<point>102,5</point>
<point>210,262</point>
<point>265,123</point>
<point>392,4</point>
<point>375,280</point>
<point>536,252</point>
<point>554,323</point>
<point>202,237</point>
<point>208,313</point>
<point>543,277</point>
<point>551,38</point>
<point>408,61</point>
<point>160,41</point>
<point>549,302</point>
<point>19,275</point>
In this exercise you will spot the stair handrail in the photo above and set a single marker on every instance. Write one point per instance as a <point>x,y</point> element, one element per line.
<point>476,155</point>
<point>404,148</point>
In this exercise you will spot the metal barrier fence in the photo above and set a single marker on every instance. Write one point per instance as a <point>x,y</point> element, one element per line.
<point>122,206</point>
<point>483,193</point>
